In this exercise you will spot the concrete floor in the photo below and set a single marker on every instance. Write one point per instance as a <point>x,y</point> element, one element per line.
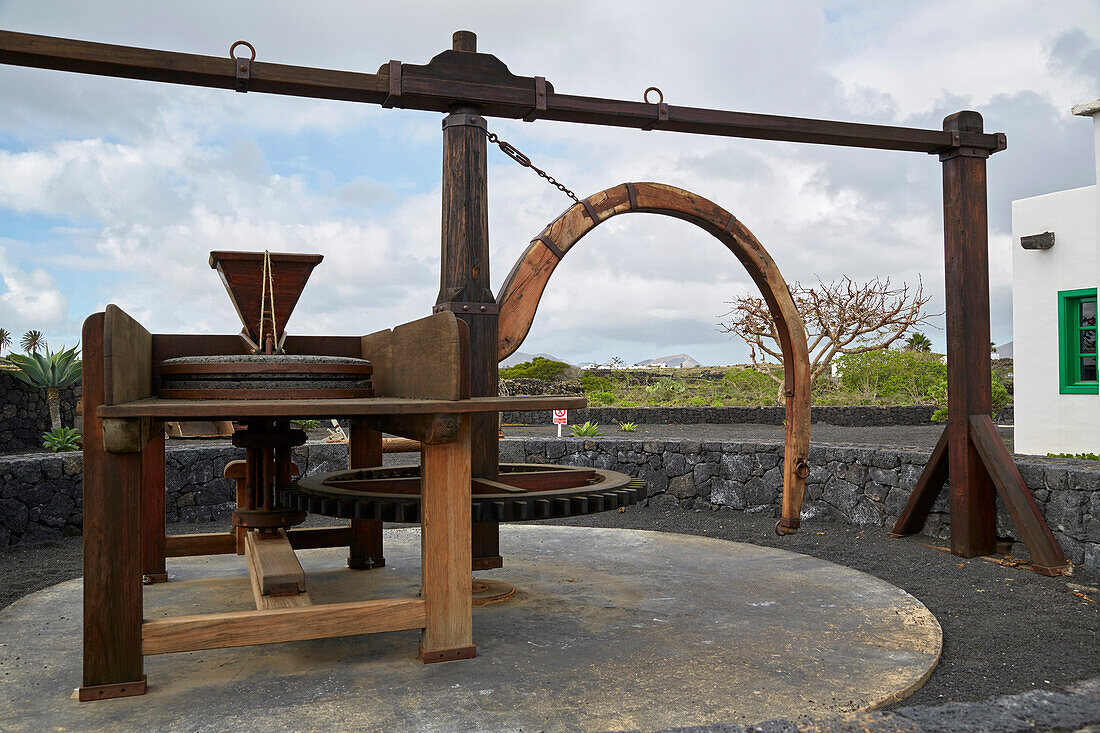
<point>610,629</point>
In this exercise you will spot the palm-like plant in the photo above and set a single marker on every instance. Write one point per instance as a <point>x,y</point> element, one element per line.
<point>32,341</point>
<point>5,339</point>
<point>919,342</point>
<point>52,372</point>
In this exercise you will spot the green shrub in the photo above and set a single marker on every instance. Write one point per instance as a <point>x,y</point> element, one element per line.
<point>593,383</point>
<point>1081,456</point>
<point>538,368</point>
<point>696,401</point>
<point>601,398</point>
<point>939,415</point>
<point>628,403</point>
<point>894,377</point>
<point>588,430</point>
<point>61,440</point>
<point>307,425</point>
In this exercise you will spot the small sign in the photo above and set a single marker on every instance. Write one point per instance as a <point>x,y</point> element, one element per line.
<point>561,417</point>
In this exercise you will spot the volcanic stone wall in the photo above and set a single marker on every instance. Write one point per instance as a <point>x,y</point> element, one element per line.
<point>24,414</point>
<point>40,494</point>
<point>832,415</point>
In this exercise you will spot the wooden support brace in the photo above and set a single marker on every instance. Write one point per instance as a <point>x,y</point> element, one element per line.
<point>274,572</point>
<point>925,493</point>
<point>244,628</point>
<point>1046,555</point>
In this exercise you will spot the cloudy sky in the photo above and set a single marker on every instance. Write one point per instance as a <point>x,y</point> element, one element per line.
<point>114,190</point>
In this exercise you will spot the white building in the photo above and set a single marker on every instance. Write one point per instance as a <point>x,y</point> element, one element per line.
<point>1056,272</point>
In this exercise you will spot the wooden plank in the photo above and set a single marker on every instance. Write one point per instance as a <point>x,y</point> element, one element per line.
<point>163,409</point>
<point>467,80</point>
<point>190,545</point>
<point>1046,555</point>
<point>152,510</point>
<point>266,602</point>
<point>969,377</point>
<point>309,538</point>
<point>278,571</point>
<point>440,428</point>
<point>112,545</point>
<point>421,359</point>
<point>547,480</point>
<point>445,550</point>
<point>244,628</point>
<point>127,358</point>
<point>927,490</point>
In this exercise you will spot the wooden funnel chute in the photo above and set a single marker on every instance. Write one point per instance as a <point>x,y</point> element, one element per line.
<point>264,302</point>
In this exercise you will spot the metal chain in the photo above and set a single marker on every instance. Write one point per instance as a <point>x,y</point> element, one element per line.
<point>508,149</point>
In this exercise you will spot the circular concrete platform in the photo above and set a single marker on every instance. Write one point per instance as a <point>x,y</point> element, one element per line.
<point>608,630</point>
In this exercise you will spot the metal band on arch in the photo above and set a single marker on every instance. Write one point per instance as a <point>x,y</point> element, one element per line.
<point>519,298</point>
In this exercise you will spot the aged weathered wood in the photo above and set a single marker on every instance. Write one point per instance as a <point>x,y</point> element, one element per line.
<point>969,376</point>
<point>268,602</point>
<point>244,628</point>
<point>925,493</point>
<point>520,294</point>
<point>445,550</point>
<point>425,359</point>
<point>224,543</point>
<point>191,545</point>
<point>128,435</point>
<point>112,544</point>
<point>1046,556</point>
<point>277,568</point>
<point>364,451</point>
<point>242,273</point>
<point>440,428</point>
<point>152,510</point>
<point>455,78</point>
<point>163,409</point>
<point>400,445</point>
<point>127,358</point>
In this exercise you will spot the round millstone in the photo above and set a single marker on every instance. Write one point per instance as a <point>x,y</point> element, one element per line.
<point>255,376</point>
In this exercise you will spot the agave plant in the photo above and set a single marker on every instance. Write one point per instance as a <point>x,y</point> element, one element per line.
<point>5,340</point>
<point>588,430</point>
<point>52,372</point>
<point>61,440</point>
<point>33,341</point>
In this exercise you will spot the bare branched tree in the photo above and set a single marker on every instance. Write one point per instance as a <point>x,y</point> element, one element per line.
<point>841,317</point>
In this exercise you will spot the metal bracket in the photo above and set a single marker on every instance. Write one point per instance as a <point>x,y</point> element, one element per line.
<point>467,309</point>
<point>958,150</point>
<point>632,196</point>
<point>550,245</point>
<point>729,225</point>
<point>540,100</point>
<point>243,66</point>
<point>394,94</point>
<point>457,119</point>
<point>591,211</point>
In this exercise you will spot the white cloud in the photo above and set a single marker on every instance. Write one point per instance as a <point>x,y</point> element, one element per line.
<point>154,176</point>
<point>28,300</point>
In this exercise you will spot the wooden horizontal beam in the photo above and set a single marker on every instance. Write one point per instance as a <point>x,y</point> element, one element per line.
<point>222,543</point>
<point>467,78</point>
<point>243,628</point>
<point>172,409</point>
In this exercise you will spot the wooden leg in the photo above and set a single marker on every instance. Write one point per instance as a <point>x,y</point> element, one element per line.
<point>112,547</point>
<point>925,493</point>
<point>445,549</point>
<point>152,510</point>
<point>1046,555</point>
<point>486,546</point>
<point>364,451</point>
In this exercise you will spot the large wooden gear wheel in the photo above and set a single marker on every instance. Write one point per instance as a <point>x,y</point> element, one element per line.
<point>523,491</point>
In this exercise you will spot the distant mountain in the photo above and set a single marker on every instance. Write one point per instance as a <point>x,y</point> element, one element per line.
<point>676,361</point>
<point>519,357</point>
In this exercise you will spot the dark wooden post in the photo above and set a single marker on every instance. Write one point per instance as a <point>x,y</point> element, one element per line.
<point>113,663</point>
<point>153,541</point>
<point>966,256</point>
<point>464,283</point>
<point>365,545</point>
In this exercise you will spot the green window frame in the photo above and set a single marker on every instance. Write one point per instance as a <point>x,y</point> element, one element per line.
<point>1077,351</point>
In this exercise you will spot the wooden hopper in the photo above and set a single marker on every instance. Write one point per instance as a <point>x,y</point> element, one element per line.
<point>243,276</point>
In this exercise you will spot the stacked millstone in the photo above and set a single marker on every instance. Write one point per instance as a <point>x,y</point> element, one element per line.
<point>282,376</point>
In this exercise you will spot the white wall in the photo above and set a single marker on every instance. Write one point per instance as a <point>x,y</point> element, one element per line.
<point>1045,420</point>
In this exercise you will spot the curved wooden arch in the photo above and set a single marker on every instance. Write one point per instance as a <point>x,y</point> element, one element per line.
<point>519,298</point>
